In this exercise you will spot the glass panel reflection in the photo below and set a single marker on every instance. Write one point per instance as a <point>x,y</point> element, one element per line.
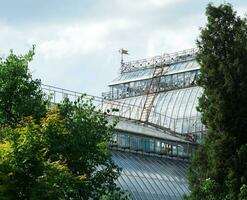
<point>155,186</point>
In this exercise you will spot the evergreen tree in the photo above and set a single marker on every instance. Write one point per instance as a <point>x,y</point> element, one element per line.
<point>219,167</point>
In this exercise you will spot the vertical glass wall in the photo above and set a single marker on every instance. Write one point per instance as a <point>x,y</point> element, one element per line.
<point>138,143</point>
<point>167,82</point>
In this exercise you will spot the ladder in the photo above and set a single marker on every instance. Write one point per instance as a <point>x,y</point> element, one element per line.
<point>152,92</point>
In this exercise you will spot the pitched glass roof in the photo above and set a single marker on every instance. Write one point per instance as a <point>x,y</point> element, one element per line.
<point>133,76</point>
<point>151,178</point>
<point>175,109</point>
<point>183,66</point>
<point>148,72</point>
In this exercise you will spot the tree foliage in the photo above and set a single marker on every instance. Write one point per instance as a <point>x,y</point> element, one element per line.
<point>78,136</point>
<point>64,157</point>
<point>57,154</point>
<point>222,57</point>
<point>20,95</point>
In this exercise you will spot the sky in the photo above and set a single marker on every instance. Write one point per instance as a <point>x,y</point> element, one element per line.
<point>77,41</point>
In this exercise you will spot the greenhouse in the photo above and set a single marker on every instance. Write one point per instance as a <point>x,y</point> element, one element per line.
<point>151,178</point>
<point>159,124</point>
<point>159,127</point>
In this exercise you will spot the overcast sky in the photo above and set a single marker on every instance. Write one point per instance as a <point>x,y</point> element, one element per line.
<point>77,41</point>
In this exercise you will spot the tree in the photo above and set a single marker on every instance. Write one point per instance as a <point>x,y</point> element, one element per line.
<point>222,57</point>
<point>65,157</point>
<point>25,173</point>
<point>20,95</point>
<point>78,136</point>
<point>57,154</point>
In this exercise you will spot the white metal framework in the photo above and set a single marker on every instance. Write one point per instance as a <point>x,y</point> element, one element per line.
<point>166,85</point>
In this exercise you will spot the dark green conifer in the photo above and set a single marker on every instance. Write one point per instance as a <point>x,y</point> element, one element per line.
<point>219,167</point>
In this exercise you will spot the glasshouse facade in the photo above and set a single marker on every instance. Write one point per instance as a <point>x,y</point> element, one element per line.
<point>159,125</point>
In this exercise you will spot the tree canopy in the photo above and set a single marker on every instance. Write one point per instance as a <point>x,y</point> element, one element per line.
<point>219,167</point>
<point>56,153</point>
<point>20,94</point>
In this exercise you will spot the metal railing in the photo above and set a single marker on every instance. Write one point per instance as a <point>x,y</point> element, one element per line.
<point>125,110</point>
<point>57,95</point>
<point>165,59</point>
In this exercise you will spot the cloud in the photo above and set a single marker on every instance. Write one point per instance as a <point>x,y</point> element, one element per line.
<point>80,38</point>
<point>71,55</point>
<point>168,41</point>
<point>242,11</point>
<point>73,40</point>
<point>77,43</point>
<point>82,54</point>
<point>147,4</point>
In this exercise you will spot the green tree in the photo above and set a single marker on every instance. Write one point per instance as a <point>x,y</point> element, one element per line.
<point>25,173</point>
<point>243,192</point>
<point>78,136</point>
<point>222,57</point>
<point>64,157</point>
<point>20,95</point>
<point>57,154</point>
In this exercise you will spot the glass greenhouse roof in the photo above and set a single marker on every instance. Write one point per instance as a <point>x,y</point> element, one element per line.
<point>161,91</point>
<point>133,76</point>
<point>183,66</point>
<point>148,178</point>
<point>147,73</point>
<point>175,109</point>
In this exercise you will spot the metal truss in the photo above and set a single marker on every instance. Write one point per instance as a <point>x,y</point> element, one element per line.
<point>165,59</point>
<point>114,108</point>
